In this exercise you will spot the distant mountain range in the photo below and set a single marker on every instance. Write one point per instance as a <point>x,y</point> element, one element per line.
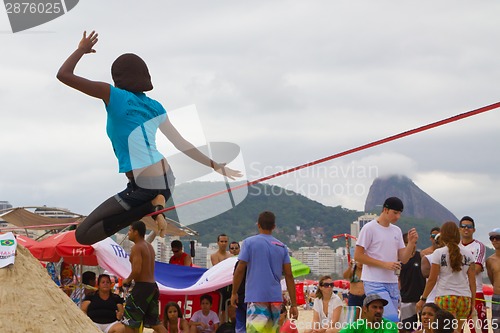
<point>305,222</point>
<point>300,220</point>
<point>417,203</point>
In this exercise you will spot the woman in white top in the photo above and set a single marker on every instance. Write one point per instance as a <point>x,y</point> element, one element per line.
<point>425,266</point>
<point>326,309</point>
<point>456,287</point>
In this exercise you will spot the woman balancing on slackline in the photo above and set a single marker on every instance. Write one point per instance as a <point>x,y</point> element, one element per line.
<point>132,122</point>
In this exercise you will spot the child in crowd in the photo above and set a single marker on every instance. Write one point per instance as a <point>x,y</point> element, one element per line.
<point>204,320</point>
<point>173,319</point>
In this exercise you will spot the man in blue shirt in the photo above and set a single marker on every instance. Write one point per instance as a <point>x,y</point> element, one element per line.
<point>265,259</point>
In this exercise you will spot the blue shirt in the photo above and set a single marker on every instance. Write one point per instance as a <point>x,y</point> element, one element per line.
<point>265,257</point>
<point>133,119</point>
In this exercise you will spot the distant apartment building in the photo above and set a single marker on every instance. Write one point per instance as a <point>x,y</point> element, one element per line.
<point>161,249</point>
<point>5,205</point>
<point>322,260</point>
<point>201,257</point>
<point>357,225</point>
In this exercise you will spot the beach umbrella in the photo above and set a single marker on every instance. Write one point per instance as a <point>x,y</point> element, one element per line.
<point>64,245</point>
<point>310,282</point>
<point>25,241</point>
<point>299,268</point>
<point>487,289</point>
<point>342,284</point>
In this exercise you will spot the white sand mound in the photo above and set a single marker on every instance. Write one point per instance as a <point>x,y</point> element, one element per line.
<point>31,302</point>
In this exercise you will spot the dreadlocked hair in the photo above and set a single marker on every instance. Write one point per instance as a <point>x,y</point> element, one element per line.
<point>450,236</point>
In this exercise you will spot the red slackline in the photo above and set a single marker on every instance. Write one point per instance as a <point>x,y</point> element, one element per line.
<point>346,152</point>
<point>322,160</point>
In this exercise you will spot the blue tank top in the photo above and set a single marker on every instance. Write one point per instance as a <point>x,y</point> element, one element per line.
<point>133,120</point>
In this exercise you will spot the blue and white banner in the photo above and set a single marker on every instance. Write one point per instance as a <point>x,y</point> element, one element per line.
<point>8,245</point>
<point>171,279</point>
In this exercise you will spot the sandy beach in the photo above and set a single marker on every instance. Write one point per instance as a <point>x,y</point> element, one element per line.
<point>31,302</point>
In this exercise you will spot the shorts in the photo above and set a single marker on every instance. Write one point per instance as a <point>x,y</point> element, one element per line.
<point>389,292</point>
<point>355,300</point>
<point>145,189</point>
<point>479,324</point>
<point>495,313</point>
<point>225,295</point>
<point>142,305</point>
<point>106,327</point>
<point>263,317</point>
<point>459,306</point>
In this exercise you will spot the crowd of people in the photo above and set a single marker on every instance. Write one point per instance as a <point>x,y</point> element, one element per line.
<point>440,284</point>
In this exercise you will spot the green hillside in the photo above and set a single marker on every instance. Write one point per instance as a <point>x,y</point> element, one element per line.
<point>317,222</point>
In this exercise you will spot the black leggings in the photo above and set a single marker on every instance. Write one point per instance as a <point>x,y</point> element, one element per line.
<point>107,219</point>
<point>124,208</point>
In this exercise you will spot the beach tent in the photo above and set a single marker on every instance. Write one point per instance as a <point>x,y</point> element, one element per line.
<point>21,217</point>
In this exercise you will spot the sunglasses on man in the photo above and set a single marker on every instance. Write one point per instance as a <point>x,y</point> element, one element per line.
<point>497,238</point>
<point>466,226</point>
<point>234,248</point>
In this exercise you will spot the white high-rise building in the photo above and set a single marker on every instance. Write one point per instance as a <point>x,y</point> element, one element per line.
<point>357,225</point>
<point>321,260</point>
<point>201,257</point>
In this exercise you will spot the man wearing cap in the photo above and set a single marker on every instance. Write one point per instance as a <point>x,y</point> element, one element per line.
<point>478,250</point>
<point>380,248</point>
<point>493,269</point>
<point>373,309</point>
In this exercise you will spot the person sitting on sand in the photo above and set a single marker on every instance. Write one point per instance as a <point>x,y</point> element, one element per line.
<point>104,308</point>
<point>204,320</point>
<point>173,319</point>
<point>428,317</point>
<point>326,309</point>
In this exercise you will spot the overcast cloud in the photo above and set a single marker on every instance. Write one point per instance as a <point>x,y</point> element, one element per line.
<point>288,81</point>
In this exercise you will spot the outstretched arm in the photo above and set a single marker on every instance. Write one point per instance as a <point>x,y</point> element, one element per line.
<point>290,286</point>
<point>67,76</point>
<point>187,148</point>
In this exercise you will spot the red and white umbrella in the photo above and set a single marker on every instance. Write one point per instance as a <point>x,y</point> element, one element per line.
<point>25,241</point>
<point>64,245</point>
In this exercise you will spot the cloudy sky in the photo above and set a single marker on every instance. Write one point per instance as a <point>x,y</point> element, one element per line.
<point>288,81</point>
